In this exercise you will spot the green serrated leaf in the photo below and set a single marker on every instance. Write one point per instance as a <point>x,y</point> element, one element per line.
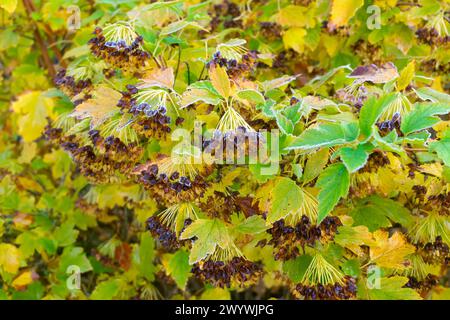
<point>334,183</point>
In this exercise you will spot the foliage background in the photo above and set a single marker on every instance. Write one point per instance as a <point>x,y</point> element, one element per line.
<point>53,217</point>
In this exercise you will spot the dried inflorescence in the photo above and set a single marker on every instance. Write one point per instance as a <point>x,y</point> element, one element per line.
<point>165,236</point>
<point>70,86</point>
<point>336,291</point>
<point>98,161</point>
<point>219,205</point>
<point>431,36</point>
<point>436,252</point>
<point>129,58</point>
<point>287,239</point>
<point>238,271</point>
<point>423,286</point>
<point>236,69</point>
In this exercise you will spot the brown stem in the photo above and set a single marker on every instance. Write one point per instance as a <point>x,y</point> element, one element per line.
<point>40,42</point>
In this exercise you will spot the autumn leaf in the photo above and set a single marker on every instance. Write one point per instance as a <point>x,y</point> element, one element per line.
<point>389,288</point>
<point>390,252</point>
<point>24,279</point>
<point>9,258</point>
<point>375,74</point>
<point>163,77</point>
<point>220,80</point>
<point>33,108</point>
<point>100,107</point>
<point>343,10</point>
<point>406,76</point>
<point>210,233</point>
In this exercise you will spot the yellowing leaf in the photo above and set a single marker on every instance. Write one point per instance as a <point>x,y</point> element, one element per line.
<point>28,152</point>
<point>390,252</point>
<point>343,10</point>
<point>158,78</point>
<point>33,108</point>
<point>375,74</point>
<point>406,76</point>
<point>294,39</point>
<point>220,81</point>
<point>23,280</point>
<point>9,5</point>
<point>210,233</point>
<point>100,107</point>
<point>9,258</point>
<point>295,16</point>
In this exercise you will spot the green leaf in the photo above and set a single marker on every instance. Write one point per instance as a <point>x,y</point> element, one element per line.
<point>423,116</point>
<point>179,269</point>
<point>432,95</point>
<point>314,165</point>
<point>252,225</point>
<point>286,125</point>
<point>251,95</point>
<point>355,158</point>
<point>442,148</point>
<point>375,212</point>
<point>334,183</point>
<point>352,268</point>
<point>371,112</point>
<point>390,289</point>
<point>210,233</point>
<point>286,197</point>
<point>146,256</point>
<point>66,234</point>
<point>74,256</point>
<point>295,269</point>
<point>325,135</point>
<point>106,290</point>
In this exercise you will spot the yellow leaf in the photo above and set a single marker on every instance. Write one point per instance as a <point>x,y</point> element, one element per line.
<point>23,280</point>
<point>343,10</point>
<point>100,107</point>
<point>33,108</point>
<point>296,16</point>
<point>29,184</point>
<point>9,258</point>
<point>390,252</point>
<point>9,5</point>
<point>294,38</point>
<point>158,78</point>
<point>406,76</point>
<point>28,152</point>
<point>220,81</point>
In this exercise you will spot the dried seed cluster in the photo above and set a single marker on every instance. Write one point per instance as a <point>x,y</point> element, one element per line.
<point>129,58</point>
<point>166,237</point>
<point>97,161</point>
<point>431,36</point>
<point>286,239</point>
<point>436,252</point>
<point>223,274</point>
<point>328,292</point>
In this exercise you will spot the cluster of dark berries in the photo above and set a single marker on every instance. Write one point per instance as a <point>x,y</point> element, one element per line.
<point>152,122</point>
<point>166,237</point>
<point>431,36</point>
<point>129,58</point>
<point>173,188</point>
<point>219,205</point>
<point>270,30</point>
<point>233,145</point>
<point>389,125</point>
<point>423,286</point>
<point>436,252</point>
<point>69,85</point>
<point>357,100</point>
<point>234,68</point>
<point>225,12</point>
<point>433,65</point>
<point>99,164</point>
<point>328,292</point>
<point>286,239</point>
<point>222,274</point>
